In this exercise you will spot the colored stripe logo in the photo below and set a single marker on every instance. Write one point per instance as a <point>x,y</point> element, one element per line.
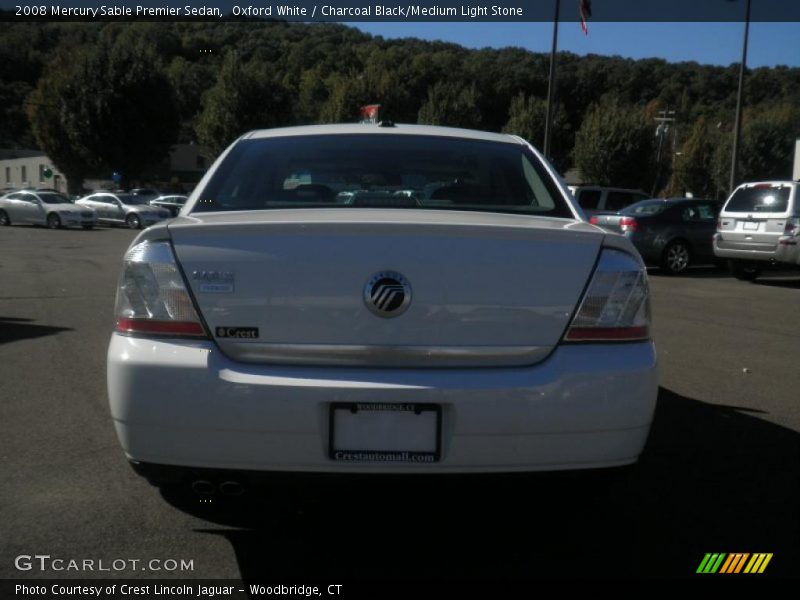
<point>737,562</point>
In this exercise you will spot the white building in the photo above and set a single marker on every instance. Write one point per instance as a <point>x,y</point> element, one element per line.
<point>29,168</point>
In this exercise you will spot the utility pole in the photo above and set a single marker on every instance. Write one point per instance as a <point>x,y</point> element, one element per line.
<point>664,119</point>
<point>551,87</point>
<point>737,126</point>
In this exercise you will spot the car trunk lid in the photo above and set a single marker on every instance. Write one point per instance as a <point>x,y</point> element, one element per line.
<point>486,289</point>
<point>608,221</point>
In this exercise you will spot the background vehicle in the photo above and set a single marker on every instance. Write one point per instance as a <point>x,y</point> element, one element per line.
<point>595,199</point>
<point>328,300</point>
<point>37,207</point>
<point>173,204</point>
<point>147,194</point>
<point>671,233</point>
<point>123,209</point>
<point>758,227</point>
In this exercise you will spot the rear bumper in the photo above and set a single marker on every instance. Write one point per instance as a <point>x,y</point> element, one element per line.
<point>785,251</point>
<point>750,251</point>
<point>186,404</point>
<point>789,250</point>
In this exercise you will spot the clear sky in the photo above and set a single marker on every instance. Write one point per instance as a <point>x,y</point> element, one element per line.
<point>707,43</point>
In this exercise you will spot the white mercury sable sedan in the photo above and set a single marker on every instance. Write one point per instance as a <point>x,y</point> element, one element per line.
<point>379,299</point>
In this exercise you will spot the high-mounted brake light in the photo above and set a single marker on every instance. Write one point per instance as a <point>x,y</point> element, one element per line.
<point>152,298</point>
<point>370,114</point>
<point>616,305</point>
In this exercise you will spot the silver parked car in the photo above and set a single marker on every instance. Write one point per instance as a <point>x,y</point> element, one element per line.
<point>671,233</point>
<point>173,203</point>
<point>50,208</point>
<point>596,200</point>
<point>124,209</point>
<point>759,226</point>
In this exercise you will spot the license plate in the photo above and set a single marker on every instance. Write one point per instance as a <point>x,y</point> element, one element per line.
<point>751,225</point>
<point>378,432</point>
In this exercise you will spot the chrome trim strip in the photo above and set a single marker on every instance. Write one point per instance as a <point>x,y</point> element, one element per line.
<point>383,356</point>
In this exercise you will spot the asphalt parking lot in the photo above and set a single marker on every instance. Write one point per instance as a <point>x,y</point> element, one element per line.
<point>720,472</point>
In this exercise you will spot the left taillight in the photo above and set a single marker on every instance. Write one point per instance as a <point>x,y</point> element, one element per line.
<point>152,298</point>
<point>616,305</point>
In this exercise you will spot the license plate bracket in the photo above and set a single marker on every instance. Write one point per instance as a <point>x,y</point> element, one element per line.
<point>385,432</point>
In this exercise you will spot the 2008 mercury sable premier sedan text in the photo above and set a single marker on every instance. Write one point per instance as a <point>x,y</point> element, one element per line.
<point>381,299</point>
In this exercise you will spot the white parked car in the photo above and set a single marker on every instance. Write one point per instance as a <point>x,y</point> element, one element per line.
<point>117,208</point>
<point>37,207</point>
<point>429,300</point>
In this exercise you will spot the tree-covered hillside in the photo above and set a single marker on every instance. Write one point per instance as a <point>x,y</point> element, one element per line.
<point>77,89</point>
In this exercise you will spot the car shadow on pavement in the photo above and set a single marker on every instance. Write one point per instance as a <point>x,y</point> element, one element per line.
<point>700,272</point>
<point>712,479</point>
<point>784,282</point>
<point>14,329</point>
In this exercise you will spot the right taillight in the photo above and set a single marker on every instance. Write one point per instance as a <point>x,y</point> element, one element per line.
<point>152,298</point>
<point>792,226</point>
<point>628,224</point>
<point>616,305</point>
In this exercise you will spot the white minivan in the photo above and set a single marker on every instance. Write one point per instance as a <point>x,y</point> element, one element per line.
<point>759,226</point>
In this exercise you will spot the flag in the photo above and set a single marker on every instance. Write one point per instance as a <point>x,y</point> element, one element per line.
<point>585,10</point>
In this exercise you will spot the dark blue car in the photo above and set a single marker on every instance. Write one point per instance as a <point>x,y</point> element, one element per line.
<point>671,233</point>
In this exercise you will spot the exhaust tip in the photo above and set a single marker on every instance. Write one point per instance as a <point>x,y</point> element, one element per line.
<point>231,488</point>
<point>201,486</point>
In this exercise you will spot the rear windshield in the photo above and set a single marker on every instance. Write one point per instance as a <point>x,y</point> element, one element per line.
<point>768,198</point>
<point>382,171</point>
<point>645,208</point>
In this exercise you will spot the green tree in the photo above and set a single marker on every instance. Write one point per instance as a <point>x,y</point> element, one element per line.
<point>615,145</point>
<point>451,104</point>
<point>245,97</point>
<point>47,108</point>
<point>189,80</point>
<point>768,143</point>
<point>311,95</point>
<point>721,160</point>
<point>526,118</point>
<point>766,146</point>
<point>112,110</point>
<point>345,95</point>
<point>694,167</point>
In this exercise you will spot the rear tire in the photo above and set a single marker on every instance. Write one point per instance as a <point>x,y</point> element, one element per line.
<point>4,220</point>
<point>133,222</point>
<point>53,221</point>
<point>676,258</point>
<point>743,270</point>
